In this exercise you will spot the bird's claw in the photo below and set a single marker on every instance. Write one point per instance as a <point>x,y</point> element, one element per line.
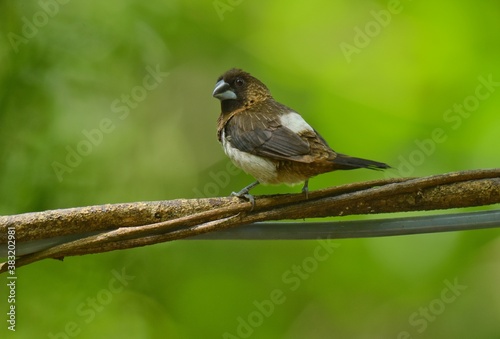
<point>245,195</point>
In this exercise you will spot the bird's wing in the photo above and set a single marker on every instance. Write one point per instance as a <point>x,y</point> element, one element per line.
<point>261,135</point>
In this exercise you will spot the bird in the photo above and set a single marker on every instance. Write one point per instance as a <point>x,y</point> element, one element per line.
<point>270,141</point>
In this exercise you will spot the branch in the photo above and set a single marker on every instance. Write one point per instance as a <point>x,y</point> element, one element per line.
<point>95,229</point>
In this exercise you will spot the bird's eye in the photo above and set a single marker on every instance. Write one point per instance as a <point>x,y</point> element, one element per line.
<point>239,82</point>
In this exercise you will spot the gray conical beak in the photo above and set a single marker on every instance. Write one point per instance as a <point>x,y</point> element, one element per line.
<point>222,91</point>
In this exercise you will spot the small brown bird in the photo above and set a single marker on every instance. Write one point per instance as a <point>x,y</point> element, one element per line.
<point>271,141</point>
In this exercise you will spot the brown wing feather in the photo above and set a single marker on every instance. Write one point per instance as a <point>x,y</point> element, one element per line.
<point>261,134</point>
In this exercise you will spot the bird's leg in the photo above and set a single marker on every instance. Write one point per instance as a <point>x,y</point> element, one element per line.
<point>244,193</point>
<point>305,189</point>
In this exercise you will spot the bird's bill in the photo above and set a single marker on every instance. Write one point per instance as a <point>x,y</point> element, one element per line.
<point>223,91</point>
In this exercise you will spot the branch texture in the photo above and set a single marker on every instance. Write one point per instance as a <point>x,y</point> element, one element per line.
<point>95,229</point>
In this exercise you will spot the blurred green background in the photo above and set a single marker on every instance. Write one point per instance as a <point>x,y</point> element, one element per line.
<point>107,102</point>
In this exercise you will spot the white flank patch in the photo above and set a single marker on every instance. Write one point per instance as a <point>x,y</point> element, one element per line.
<point>294,122</point>
<point>261,169</point>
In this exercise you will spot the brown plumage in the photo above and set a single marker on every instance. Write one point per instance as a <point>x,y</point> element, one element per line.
<point>269,140</point>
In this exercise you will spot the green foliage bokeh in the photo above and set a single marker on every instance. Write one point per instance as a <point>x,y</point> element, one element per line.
<point>83,121</point>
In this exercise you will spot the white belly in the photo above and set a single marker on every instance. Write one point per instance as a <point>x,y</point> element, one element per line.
<point>261,169</point>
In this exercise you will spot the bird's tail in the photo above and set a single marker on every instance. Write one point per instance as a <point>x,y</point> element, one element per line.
<point>345,162</point>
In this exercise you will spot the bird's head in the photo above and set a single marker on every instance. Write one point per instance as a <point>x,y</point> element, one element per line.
<point>240,88</point>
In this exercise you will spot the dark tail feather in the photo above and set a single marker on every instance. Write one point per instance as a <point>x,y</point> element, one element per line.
<point>345,162</point>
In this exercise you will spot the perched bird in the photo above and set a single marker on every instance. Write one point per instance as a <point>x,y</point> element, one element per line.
<point>271,141</point>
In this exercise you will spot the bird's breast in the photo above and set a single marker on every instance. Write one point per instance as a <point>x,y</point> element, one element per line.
<point>262,169</point>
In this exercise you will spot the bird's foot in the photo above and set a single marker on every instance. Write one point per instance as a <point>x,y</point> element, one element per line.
<point>246,196</point>
<point>243,194</point>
